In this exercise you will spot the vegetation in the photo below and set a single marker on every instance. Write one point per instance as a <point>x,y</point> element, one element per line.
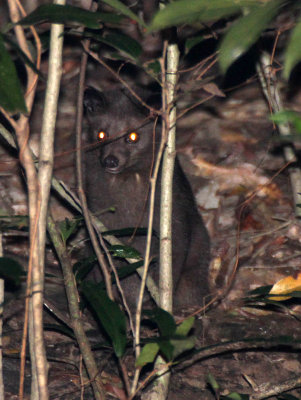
<point>237,27</point>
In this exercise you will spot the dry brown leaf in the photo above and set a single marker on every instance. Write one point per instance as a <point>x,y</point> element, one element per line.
<point>212,88</point>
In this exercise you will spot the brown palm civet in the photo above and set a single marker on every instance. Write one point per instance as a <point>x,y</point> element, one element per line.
<point>117,174</point>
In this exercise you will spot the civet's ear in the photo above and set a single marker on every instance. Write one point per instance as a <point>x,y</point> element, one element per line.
<point>94,100</point>
<point>152,99</point>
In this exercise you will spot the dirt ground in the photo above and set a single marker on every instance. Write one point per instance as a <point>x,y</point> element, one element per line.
<point>228,149</point>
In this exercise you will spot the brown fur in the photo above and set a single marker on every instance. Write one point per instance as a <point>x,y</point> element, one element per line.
<point>117,174</point>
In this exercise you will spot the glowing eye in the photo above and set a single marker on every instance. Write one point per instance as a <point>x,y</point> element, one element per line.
<point>102,136</point>
<point>132,137</point>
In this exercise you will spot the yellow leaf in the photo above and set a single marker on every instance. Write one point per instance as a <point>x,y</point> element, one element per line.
<point>286,286</point>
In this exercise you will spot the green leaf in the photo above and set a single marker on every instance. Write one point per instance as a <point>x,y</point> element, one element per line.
<point>123,43</point>
<point>193,41</point>
<point>23,56</point>
<point>262,290</point>
<point>170,349</point>
<point>63,329</point>
<point>293,51</point>
<point>148,354</point>
<point>11,96</point>
<point>185,327</point>
<point>118,41</point>
<point>189,11</point>
<point>288,116</point>
<point>62,14</point>
<point>163,320</point>
<point>213,383</point>
<point>126,232</point>
<point>182,344</point>
<point>154,67</point>
<point>236,396</point>
<point>170,344</point>
<point>245,32</point>
<point>124,272</point>
<point>166,348</point>
<point>83,267</point>
<point>68,227</point>
<point>13,222</point>
<point>121,251</point>
<point>127,270</point>
<point>109,314</point>
<point>11,270</point>
<point>123,9</point>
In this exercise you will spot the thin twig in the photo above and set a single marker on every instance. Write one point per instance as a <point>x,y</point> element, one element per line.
<point>125,84</point>
<point>37,350</point>
<point>118,284</point>
<point>144,276</point>
<point>1,326</point>
<point>87,216</point>
<point>272,389</point>
<point>74,310</point>
<point>44,181</point>
<point>169,81</point>
<point>82,196</point>
<point>169,91</point>
<point>153,181</point>
<point>271,90</point>
<point>230,346</point>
